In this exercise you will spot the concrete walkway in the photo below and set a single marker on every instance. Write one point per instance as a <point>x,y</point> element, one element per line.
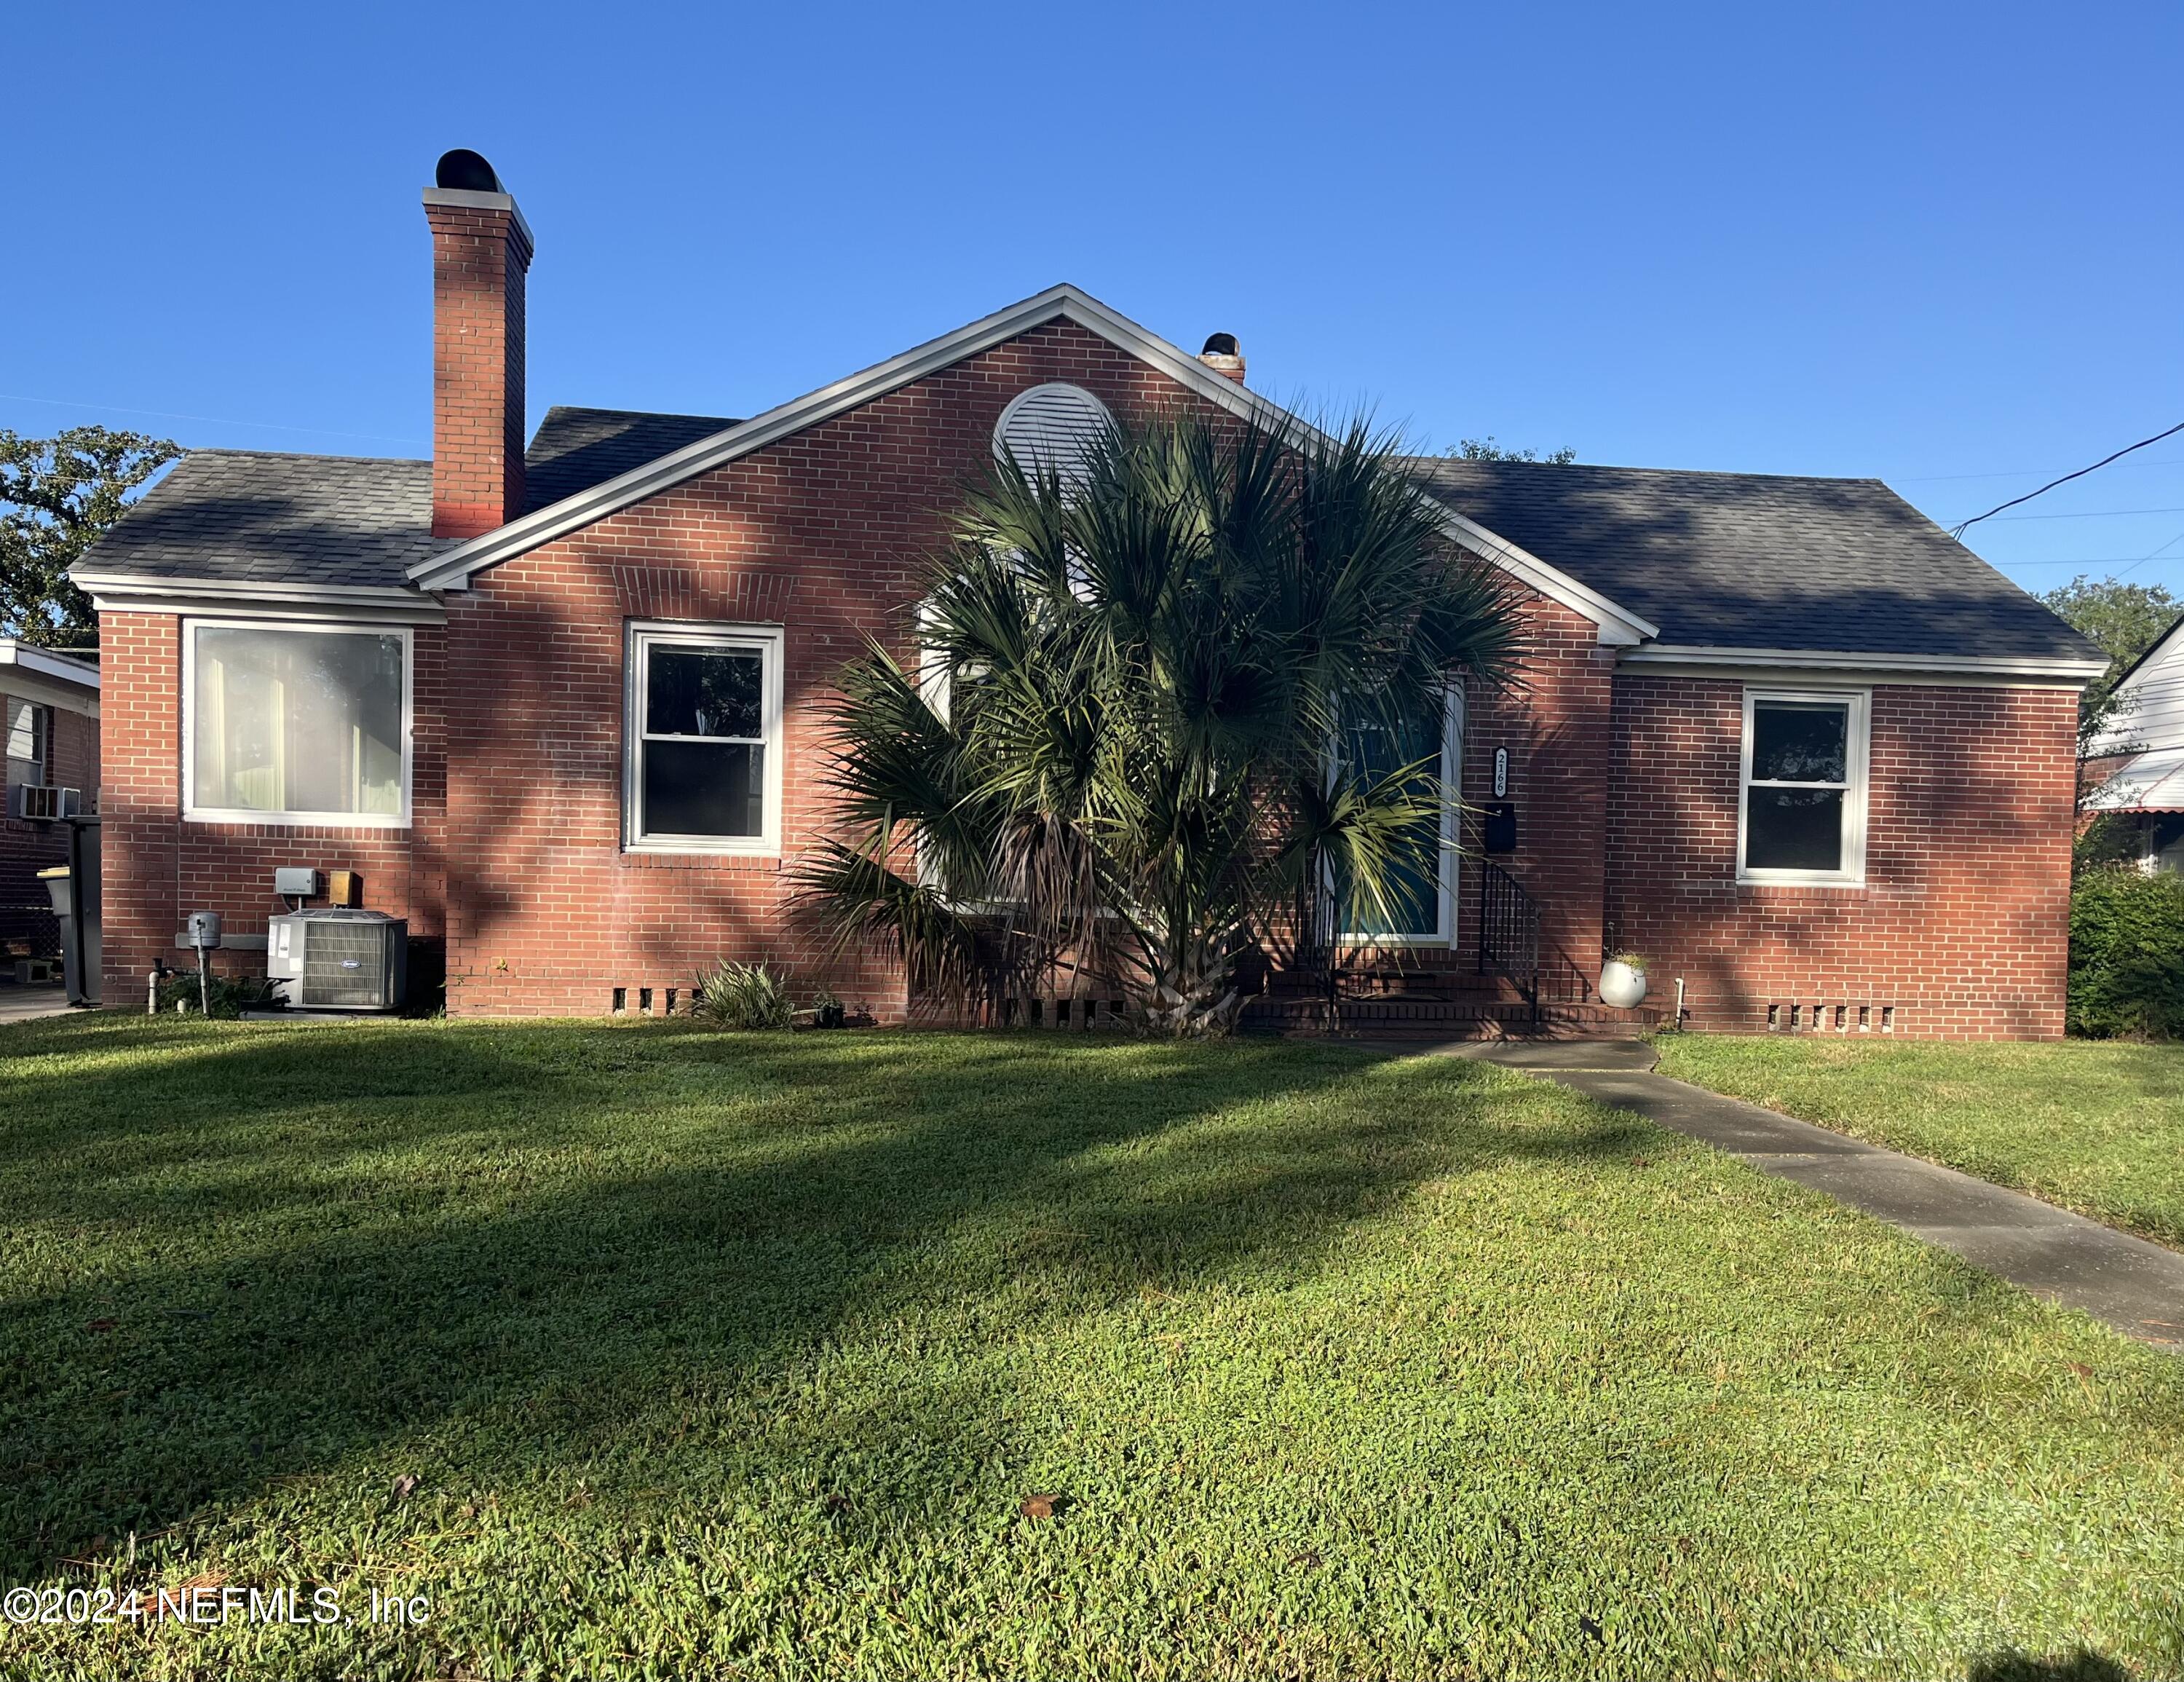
<point>21,1004</point>
<point>2135,1286</point>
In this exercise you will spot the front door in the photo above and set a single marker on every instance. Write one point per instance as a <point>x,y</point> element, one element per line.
<point>1426,899</point>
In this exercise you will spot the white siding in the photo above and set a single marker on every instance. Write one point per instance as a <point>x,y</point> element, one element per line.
<point>2152,715</point>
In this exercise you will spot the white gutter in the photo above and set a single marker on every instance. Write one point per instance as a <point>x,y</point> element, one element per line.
<point>2054,668</point>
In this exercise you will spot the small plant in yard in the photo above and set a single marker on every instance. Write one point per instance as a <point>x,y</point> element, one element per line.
<point>827,1009</point>
<point>743,996</point>
<point>229,995</point>
<point>2128,954</point>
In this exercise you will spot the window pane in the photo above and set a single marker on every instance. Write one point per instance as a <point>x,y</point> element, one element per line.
<point>702,692</point>
<point>1373,750</point>
<point>704,788</point>
<point>24,726</point>
<point>297,721</point>
<point>1795,742</point>
<point>1793,829</point>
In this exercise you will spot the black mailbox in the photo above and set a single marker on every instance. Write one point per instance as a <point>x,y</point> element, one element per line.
<point>1498,827</point>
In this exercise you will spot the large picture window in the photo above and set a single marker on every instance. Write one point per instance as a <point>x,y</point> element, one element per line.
<point>297,724</point>
<point>1802,818</point>
<point>704,747</point>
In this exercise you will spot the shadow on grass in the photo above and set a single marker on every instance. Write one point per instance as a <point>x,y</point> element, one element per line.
<point>2081,1666</point>
<point>267,1253</point>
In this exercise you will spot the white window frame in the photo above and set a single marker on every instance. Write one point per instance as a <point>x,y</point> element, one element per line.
<point>1857,755</point>
<point>643,635</point>
<point>42,737</point>
<point>1450,873</point>
<point>193,813</point>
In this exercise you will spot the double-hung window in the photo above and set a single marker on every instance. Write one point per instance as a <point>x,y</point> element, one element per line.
<point>1801,818</point>
<point>704,757</point>
<point>296,724</point>
<point>28,728</point>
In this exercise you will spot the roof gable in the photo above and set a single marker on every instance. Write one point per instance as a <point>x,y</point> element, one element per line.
<point>1065,302</point>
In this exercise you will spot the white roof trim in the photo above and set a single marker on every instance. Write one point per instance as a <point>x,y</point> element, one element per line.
<point>129,593</point>
<point>45,663</point>
<point>2059,669</point>
<point>453,569</point>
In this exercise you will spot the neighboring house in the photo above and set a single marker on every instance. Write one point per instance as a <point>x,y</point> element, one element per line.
<point>560,707</point>
<point>2135,764</point>
<point>49,729</point>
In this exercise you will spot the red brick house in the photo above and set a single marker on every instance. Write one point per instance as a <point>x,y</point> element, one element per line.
<point>1782,735</point>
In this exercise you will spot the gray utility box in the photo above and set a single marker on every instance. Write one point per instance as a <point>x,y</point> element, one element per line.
<point>334,959</point>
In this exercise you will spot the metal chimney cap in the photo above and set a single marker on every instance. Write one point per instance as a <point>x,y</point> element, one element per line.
<point>466,171</point>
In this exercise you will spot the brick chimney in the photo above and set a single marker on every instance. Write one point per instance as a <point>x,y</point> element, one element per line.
<point>481,249</point>
<point>1221,355</point>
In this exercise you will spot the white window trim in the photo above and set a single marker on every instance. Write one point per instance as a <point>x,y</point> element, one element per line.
<point>193,813</point>
<point>771,640</point>
<point>42,738</point>
<point>1449,895</point>
<point>1857,747</point>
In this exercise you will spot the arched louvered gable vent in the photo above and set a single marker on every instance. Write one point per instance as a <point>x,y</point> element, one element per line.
<point>1051,428</point>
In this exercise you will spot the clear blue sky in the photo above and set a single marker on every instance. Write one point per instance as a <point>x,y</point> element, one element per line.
<point>1938,245</point>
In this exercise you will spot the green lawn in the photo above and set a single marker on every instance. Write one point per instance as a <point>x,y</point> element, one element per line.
<point>738,1356</point>
<point>2098,1128</point>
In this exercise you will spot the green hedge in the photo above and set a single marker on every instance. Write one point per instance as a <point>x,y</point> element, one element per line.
<point>2128,954</point>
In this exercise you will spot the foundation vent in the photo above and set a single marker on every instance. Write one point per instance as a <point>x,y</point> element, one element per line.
<point>1824,1016</point>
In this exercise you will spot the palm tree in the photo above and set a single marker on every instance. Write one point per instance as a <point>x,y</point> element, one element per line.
<point>1119,757</point>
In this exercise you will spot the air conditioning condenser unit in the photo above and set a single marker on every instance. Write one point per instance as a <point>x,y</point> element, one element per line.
<point>334,959</point>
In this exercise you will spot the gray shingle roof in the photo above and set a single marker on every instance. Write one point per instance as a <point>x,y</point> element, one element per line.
<point>1752,560</point>
<point>1715,560</point>
<point>248,516</point>
<point>577,448</point>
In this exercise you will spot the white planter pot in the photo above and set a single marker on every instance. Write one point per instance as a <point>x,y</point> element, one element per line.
<point>1621,986</point>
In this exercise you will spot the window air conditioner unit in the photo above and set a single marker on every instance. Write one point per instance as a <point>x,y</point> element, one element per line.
<point>41,803</point>
<point>334,959</point>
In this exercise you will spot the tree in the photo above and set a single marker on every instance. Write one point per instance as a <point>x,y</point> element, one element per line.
<point>57,497</point>
<point>1486,449</point>
<point>1115,761</point>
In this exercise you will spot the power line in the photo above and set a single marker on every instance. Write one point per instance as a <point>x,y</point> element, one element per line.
<point>2085,513</point>
<point>2171,433</point>
<point>2149,555</point>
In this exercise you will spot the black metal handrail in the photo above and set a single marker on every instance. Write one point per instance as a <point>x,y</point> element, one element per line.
<point>1509,932</point>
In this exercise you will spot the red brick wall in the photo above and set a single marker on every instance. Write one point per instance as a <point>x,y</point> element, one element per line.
<point>820,533</point>
<point>1961,930</point>
<point>158,868</point>
<point>479,259</point>
<point>1553,719</point>
<point>141,792</point>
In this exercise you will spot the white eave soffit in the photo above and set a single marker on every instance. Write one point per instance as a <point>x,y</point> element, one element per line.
<point>453,569</point>
<point>131,592</point>
<point>2046,670</point>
